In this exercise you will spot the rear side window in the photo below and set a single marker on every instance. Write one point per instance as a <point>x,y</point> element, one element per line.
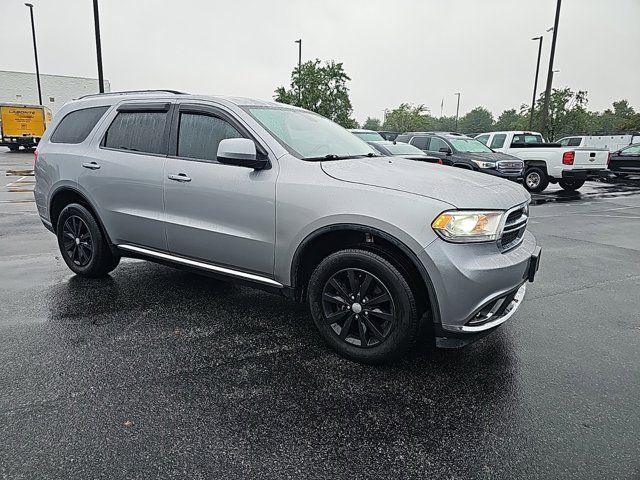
<point>437,144</point>
<point>498,140</point>
<point>137,132</point>
<point>420,142</point>
<point>76,126</point>
<point>574,142</point>
<point>200,134</point>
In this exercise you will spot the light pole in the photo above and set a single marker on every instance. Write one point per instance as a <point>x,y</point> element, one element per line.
<point>547,94</point>
<point>535,82</point>
<point>35,51</point>
<point>299,42</point>
<point>457,109</point>
<point>96,22</point>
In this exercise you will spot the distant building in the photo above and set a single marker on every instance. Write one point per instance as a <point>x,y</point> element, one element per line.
<point>22,87</point>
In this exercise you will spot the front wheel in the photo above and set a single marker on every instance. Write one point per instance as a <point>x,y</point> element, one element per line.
<point>570,184</point>
<point>535,179</point>
<point>363,306</point>
<point>14,148</point>
<point>82,244</point>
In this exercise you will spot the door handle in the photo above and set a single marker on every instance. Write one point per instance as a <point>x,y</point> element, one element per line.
<point>91,165</point>
<point>180,177</point>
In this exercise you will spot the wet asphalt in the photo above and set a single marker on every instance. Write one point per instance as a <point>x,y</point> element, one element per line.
<point>158,373</point>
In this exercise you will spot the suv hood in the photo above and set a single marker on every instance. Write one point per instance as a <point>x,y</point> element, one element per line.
<point>456,186</point>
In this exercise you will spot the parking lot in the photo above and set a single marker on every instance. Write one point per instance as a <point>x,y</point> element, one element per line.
<point>158,373</point>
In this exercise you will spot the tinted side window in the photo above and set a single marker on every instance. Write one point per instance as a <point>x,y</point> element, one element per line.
<point>575,142</point>
<point>137,132</point>
<point>437,144</point>
<point>420,142</point>
<point>199,135</point>
<point>403,138</point>
<point>564,142</point>
<point>483,139</point>
<point>498,140</point>
<point>76,126</point>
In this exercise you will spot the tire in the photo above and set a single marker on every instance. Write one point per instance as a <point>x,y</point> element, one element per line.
<point>390,327</point>
<point>82,244</point>
<point>14,148</point>
<point>571,185</point>
<point>535,179</point>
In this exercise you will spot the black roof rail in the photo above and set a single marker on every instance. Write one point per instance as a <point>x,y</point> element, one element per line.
<point>133,92</point>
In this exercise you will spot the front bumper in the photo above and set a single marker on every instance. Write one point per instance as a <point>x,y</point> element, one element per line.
<point>19,141</point>
<point>477,286</point>
<point>516,177</point>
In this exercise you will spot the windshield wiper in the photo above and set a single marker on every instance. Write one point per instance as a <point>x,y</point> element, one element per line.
<point>334,156</point>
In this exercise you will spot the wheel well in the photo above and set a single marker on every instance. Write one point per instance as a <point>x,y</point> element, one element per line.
<point>313,251</point>
<point>462,165</point>
<point>64,197</point>
<point>536,163</point>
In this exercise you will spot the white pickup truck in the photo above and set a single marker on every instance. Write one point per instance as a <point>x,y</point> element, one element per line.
<point>548,162</point>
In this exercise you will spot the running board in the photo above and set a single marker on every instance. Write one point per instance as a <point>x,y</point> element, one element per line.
<point>204,266</point>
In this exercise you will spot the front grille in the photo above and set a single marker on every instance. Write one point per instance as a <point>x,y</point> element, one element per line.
<point>510,166</point>
<point>514,227</point>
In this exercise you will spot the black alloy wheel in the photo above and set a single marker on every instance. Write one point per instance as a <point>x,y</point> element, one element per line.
<point>358,307</point>
<point>77,241</point>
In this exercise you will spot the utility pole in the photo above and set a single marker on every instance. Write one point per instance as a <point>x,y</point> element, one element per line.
<point>535,82</point>
<point>96,21</point>
<point>547,94</point>
<point>457,109</point>
<point>35,51</point>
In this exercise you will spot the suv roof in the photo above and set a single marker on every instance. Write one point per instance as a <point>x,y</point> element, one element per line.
<point>442,134</point>
<point>166,94</point>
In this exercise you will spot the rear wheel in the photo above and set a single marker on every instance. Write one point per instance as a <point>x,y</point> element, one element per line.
<point>14,148</point>
<point>82,244</point>
<point>571,184</point>
<point>363,306</point>
<point>535,179</point>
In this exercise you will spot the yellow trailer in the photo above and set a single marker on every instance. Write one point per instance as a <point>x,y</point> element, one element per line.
<point>22,125</point>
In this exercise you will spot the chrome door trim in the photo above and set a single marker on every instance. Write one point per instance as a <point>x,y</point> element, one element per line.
<point>205,266</point>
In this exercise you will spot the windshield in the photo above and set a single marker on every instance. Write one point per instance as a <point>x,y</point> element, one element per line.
<point>310,136</point>
<point>403,149</point>
<point>469,145</point>
<point>369,136</point>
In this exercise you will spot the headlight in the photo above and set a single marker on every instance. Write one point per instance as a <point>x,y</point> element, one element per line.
<point>482,164</point>
<point>468,226</point>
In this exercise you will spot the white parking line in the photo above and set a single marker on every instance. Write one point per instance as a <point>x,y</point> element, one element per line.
<point>16,181</point>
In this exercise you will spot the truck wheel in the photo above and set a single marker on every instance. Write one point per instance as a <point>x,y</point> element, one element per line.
<point>14,148</point>
<point>363,306</point>
<point>82,244</point>
<point>535,179</point>
<point>571,185</point>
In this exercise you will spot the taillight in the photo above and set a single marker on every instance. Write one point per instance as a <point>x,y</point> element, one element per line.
<point>567,158</point>
<point>439,162</point>
<point>35,157</point>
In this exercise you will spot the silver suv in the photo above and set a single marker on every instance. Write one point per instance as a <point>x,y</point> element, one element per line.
<point>384,249</point>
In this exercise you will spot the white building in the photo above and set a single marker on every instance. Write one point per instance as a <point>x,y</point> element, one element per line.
<point>22,87</point>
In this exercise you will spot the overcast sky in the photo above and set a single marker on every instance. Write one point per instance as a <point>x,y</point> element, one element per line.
<point>395,51</point>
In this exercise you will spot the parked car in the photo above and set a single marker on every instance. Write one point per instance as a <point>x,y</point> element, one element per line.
<point>548,162</point>
<point>366,135</point>
<point>613,142</point>
<point>281,198</point>
<point>404,150</point>
<point>391,136</point>
<point>626,161</point>
<point>461,151</point>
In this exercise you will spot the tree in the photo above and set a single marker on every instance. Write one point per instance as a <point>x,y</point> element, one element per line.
<point>409,118</point>
<point>372,124</point>
<point>445,124</point>
<point>321,89</point>
<point>476,121</point>
<point>512,120</point>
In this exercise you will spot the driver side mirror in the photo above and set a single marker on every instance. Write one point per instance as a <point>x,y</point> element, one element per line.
<point>240,152</point>
<point>446,150</point>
